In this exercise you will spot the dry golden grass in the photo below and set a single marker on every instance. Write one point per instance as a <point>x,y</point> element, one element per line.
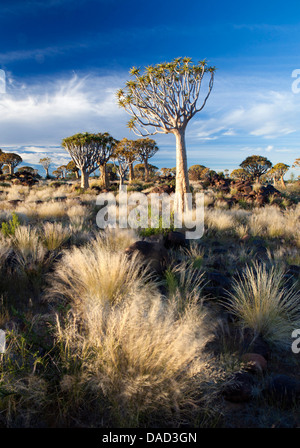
<point>140,357</point>
<point>261,301</point>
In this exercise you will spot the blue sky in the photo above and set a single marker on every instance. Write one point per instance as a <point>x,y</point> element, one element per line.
<point>64,61</point>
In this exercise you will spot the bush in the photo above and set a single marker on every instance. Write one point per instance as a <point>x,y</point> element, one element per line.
<point>9,228</point>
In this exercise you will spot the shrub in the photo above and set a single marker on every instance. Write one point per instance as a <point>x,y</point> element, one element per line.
<point>9,228</point>
<point>261,301</point>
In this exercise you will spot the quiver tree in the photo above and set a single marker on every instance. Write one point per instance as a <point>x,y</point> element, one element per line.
<point>86,151</point>
<point>278,171</point>
<point>46,162</point>
<point>296,164</point>
<point>197,172</point>
<point>72,168</point>
<point>256,166</point>
<point>146,148</point>
<point>239,174</point>
<point>139,170</point>
<point>163,100</point>
<point>127,150</point>
<point>123,164</point>
<point>108,147</point>
<point>10,159</point>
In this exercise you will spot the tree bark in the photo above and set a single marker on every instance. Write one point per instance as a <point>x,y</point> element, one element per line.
<point>84,179</point>
<point>131,172</point>
<point>282,182</point>
<point>182,180</point>
<point>104,177</point>
<point>146,170</point>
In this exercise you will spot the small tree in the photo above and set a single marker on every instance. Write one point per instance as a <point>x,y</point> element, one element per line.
<point>296,164</point>
<point>26,169</point>
<point>108,147</point>
<point>58,173</point>
<point>86,151</point>
<point>63,169</point>
<point>163,100</point>
<point>10,159</point>
<point>123,165</point>
<point>146,148</point>
<point>139,170</point>
<point>128,150</point>
<point>197,172</point>
<point>46,162</point>
<point>279,171</point>
<point>256,166</point>
<point>240,174</point>
<point>72,168</point>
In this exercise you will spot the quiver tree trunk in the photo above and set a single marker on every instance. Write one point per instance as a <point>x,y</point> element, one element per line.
<point>104,182</point>
<point>146,166</point>
<point>182,180</point>
<point>131,172</point>
<point>84,179</point>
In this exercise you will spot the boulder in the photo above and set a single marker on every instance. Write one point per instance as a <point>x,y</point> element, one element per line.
<point>255,363</point>
<point>153,254</point>
<point>239,389</point>
<point>174,240</point>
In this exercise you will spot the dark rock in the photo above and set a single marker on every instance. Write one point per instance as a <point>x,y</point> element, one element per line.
<point>254,362</point>
<point>239,390</point>
<point>163,189</point>
<point>154,254</point>
<point>174,240</point>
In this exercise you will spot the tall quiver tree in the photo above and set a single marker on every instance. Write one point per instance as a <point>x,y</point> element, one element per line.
<point>46,162</point>
<point>256,166</point>
<point>163,100</point>
<point>86,152</point>
<point>10,159</point>
<point>109,144</point>
<point>146,148</point>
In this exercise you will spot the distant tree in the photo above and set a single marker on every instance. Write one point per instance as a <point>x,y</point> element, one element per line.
<point>240,174</point>
<point>164,99</point>
<point>197,172</point>
<point>26,169</point>
<point>63,169</point>
<point>57,174</point>
<point>146,148</point>
<point>139,170</point>
<point>256,166</point>
<point>123,165</point>
<point>111,171</point>
<point>46,162</point>
<point>10,159</point>
<point>86,151</point>
<point>128,150</point>
<point>108,148</point>
<point>279,171</point>
<point>296,164</point>
<point>168,171</point>
<point>72,168</point>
